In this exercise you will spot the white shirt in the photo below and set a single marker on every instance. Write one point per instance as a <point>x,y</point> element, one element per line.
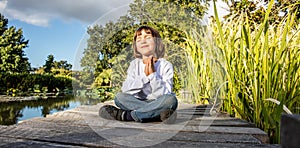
<point>152,86</point>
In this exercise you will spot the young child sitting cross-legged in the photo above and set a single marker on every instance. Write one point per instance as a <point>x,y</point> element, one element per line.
<point>147,90</point>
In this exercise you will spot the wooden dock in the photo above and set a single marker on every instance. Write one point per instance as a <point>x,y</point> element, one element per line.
<point>82,127</point>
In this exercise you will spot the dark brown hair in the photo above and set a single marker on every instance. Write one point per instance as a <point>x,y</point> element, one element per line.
<point>159,46</point>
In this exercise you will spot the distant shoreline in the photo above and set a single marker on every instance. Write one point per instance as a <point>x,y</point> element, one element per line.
<point>4,98</point>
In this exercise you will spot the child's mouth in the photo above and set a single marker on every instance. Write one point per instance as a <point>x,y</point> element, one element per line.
<point>144,46</point>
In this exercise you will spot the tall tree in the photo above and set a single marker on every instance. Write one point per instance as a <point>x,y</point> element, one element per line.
<point>171,18</point>
<point>255,9</point>
<point>12,43</point>
<point>62,65</point>
<point>49,63</point>
<point>105,43</point>
<point>53,67</point>
<point>61,68</point>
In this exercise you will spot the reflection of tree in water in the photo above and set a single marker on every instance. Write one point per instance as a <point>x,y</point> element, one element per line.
<point>88,101</point>
<point>46,109</point>
<point>10,112</point>
<point>60,105</point>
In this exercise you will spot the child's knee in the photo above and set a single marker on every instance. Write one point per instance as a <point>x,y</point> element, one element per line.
<point>118,97</point>
<point>172,101</point>
<point>122,97</point>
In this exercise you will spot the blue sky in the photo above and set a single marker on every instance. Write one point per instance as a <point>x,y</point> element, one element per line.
<point>59,38</point>
<point>59,27</point>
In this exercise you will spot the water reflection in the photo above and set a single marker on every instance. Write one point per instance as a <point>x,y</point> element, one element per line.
<point>13,112</point>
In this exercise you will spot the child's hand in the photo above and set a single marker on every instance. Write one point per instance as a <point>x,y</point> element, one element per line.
<point>149,68</point>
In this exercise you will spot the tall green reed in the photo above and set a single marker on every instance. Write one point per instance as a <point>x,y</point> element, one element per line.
<point>205,72</point>
<point>262,65</point>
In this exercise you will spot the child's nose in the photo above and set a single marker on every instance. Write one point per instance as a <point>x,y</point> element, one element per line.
<point>143,40</point>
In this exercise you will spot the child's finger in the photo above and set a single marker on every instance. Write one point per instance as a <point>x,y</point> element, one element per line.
<point>151,60</point>
<point>146,70</point>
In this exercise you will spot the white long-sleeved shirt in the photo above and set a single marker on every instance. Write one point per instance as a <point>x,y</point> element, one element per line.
<point>152,86</point>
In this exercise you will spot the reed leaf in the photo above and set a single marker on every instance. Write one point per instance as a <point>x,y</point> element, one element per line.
<point>261,61</point>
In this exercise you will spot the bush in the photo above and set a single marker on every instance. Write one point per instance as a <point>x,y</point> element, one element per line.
<point>25,82</point>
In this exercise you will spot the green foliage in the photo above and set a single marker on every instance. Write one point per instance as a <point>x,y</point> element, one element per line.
<point>109,52</point>
<point>178,14</point>
<point>80,76</point>
<point>255,11</point>
<point>12,92</point>
<point>176,83</point>
<point>36,82</point>
<point>106,93</point>
<point>196,7</point>
<point>57,68</point>
<point>61,72</point>
<point>119,70</point>
<point>262,68</point>
<point>12,43</point>
<point>49,63</point>
<point>205,74</point>
<point>103,79</point>
<point>62,65</point>
<point>105,42</point>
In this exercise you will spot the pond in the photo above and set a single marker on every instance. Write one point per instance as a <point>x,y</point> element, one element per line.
<point>14,112</point>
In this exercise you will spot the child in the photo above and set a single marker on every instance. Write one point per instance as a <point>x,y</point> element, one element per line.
<point>147,90</point>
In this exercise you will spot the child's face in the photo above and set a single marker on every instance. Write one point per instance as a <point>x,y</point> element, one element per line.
<point>145,44</point>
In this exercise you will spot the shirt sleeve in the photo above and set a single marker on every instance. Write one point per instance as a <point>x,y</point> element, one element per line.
<point>134,82</point>
<point>161,84</point>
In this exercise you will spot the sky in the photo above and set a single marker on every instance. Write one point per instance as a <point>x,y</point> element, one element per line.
<point>58,27</point>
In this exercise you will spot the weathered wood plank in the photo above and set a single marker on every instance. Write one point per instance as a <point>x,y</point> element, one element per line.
<point>82,127</point>
<point>224,122</point>
<point>180,144</point>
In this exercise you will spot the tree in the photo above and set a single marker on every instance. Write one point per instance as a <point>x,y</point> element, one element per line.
<point>62,65</point>
<point>12,43</point>
<point>255,10</point>
<point>49,63</point>
<point>56,67</point>
<point>174,17</point>
<point>105,43</point>
<point>61,68</point>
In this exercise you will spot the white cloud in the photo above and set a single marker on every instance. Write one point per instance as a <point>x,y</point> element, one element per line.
<point>39,19</point>
<point>222,9</point>
<point>40,12</point>
<point>2,5</point>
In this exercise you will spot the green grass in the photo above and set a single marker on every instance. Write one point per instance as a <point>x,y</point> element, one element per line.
<point>253,70</point>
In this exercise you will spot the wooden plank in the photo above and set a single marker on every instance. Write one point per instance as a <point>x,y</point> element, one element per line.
<point>133,137</point>
<point>82,126</point>
<point>221,122</point>
<point>215,138</point>
<point>180,144</point>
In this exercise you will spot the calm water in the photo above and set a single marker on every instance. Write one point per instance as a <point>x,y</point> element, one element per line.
<point>14,112</point>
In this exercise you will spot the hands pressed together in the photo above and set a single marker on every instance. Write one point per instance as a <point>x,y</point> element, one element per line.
<point>149,68</point>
